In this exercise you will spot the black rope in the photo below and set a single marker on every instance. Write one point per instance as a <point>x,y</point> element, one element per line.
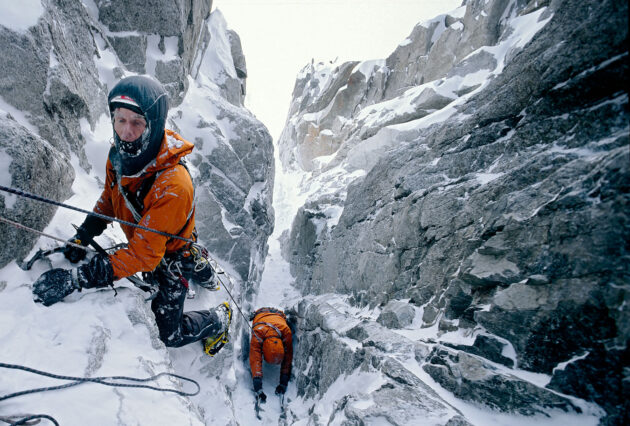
<point>235,303</point>
<point>21,420</point>
<point>105,380</point>
<point>91,213</point>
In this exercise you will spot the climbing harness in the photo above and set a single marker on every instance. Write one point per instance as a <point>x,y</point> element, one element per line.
<point>204,273</point>
<point>196,260</point>
<point>113,381</point>
<point>268,325</point>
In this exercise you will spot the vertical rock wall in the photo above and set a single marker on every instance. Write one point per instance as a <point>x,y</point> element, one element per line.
<point>486,166</point>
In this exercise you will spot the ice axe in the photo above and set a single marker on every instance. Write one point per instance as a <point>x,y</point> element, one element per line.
<point>27,265</point>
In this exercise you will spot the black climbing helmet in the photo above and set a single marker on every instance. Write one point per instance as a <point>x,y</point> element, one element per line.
<point>145,96</point>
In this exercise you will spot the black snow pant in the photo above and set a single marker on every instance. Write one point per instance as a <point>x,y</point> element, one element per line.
<point>178,328</point>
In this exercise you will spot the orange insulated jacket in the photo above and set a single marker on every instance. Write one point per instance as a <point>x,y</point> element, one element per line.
<point>270,323</point>
<point>168,207</point>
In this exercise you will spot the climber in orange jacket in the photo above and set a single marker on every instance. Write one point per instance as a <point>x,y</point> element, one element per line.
<point>272,340</point>
<point>147,183</point>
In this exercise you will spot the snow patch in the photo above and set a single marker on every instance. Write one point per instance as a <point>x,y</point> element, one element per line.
<point>364,384</point>
<point>217,63</point>
<point>484,178</point>
<point>525,28</point>
<point>6,179</point>
<point>21,15</point>
<point>154,54</point>
<point>563,365</point>
<point>20,116</point>
<point>106,61</point>
<point>368,67</point>
<point>173,142</point>
<point>458,13</point>
<point>98,141</point>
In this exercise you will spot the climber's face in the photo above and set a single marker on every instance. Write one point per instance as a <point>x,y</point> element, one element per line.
<point>128,125</point>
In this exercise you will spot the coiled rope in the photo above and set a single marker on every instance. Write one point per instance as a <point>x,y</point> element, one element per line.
<point>113,381</point>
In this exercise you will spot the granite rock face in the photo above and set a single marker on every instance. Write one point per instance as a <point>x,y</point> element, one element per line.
<point>486,181</point>
<point>334,347</point>
<point>166,38</point>
<point>36,167</point>
<point>54,79</point>
<point>469,378</point>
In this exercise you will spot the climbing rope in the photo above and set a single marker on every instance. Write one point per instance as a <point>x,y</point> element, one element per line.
<point>19,225</point>
<point>105,380</point>
<point>27,419</point>
<point>236,304</point>
<point>104,217</point>
<point>90,213</point>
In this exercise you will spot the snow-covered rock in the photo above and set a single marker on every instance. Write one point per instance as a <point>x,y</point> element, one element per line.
<point>480,173</point>
<point>31,164</point>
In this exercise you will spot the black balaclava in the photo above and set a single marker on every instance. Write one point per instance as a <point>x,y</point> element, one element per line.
<point>129,158</point>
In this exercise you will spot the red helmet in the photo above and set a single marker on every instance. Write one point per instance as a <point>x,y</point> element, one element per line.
<point>273,350</point>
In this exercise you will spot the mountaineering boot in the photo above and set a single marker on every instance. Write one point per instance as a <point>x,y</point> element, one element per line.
<point>213,344</point>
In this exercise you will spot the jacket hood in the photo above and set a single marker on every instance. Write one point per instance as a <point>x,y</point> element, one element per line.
<point>172,149</point>
<point>152,99</point>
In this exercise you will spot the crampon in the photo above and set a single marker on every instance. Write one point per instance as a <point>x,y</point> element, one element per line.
<point>212,345</point>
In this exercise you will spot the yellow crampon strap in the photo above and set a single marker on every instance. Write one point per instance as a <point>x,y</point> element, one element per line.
<point>213,346</point>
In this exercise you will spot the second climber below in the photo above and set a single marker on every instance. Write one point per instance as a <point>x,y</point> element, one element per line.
<point>272,341</point>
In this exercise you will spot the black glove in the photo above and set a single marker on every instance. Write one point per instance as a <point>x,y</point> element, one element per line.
<point>72,253</point>
<point>98,272</point>
<point>257,383</point>
<point>52,286</point>
<point>284,381</point>
<point>91,227</point>
<point>281,389</point>
<point>260,395</point>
